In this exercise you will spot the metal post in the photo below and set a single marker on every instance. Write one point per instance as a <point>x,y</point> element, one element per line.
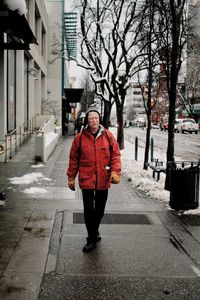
<point>136,148</point>
<point>10,146</point>
<point>20,134</point>
<point>6,148</point>
<point>152,145</point>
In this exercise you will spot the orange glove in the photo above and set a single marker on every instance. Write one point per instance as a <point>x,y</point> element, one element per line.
<point>71,183</point>
<point>114,177</point>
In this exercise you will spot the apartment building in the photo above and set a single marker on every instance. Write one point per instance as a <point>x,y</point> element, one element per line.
<point>134,105</point>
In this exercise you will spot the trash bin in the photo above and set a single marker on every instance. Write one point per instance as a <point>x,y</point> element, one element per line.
<point>184,185</point>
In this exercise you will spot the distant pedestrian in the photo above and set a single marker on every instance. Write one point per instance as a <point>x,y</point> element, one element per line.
<point>95,155</point>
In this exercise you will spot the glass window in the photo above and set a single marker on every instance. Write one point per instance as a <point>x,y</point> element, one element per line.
<point>11,90</point>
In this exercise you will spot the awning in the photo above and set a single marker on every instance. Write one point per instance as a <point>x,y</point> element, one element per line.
<point>73,95</point>
<point>19,32</point>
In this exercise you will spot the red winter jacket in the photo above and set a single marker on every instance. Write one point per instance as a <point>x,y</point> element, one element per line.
<point>94,159</point>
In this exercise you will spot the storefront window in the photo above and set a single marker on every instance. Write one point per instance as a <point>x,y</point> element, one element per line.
<point>25,88</point>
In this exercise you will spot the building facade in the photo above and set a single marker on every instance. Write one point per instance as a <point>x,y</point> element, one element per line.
<point>134,106</point>
<point>23,81</point>
<point>33,74</point>
<point>58,78</point>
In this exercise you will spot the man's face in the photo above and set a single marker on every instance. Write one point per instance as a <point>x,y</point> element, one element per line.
<point>93,121</point>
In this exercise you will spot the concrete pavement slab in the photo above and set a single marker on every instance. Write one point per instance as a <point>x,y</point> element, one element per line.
<point>30,254</point>
<point>123,256</point>
<point>118,288</point>
<point>121,230</point>
<point>20,285</point>
<point>45,204</point>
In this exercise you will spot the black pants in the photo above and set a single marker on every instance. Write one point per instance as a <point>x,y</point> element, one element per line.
<point>94,202</point>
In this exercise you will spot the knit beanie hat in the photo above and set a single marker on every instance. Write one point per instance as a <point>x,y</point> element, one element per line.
<point>91,109</point>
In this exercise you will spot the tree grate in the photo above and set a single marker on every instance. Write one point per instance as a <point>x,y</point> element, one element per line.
<point>110,218</point>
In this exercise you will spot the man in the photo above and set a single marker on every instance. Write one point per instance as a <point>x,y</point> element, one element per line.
<point>95,155</point>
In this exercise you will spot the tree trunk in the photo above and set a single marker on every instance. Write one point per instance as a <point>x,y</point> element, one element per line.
<point>170,146</point>
<point>146,154</point>
<point>107,112</point>
<point>172,113</point>
<point>120,128</point>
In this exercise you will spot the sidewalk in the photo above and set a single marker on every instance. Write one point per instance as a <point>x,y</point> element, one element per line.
<point>146,252</point>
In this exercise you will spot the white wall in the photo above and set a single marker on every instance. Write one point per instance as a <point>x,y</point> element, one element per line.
<point>20,88</point>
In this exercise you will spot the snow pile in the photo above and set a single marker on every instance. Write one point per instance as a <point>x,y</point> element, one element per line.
<point>35,190</point>
<point>27,178</point>
<point>19,5</point>
<point>142,179</point>
<point>37,166</point>
<point>30,179</point>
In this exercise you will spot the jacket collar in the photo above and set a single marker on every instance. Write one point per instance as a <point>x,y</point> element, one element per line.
<point>87,130</point>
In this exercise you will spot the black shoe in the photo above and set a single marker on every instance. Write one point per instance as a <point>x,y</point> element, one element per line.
<point>90,246</point>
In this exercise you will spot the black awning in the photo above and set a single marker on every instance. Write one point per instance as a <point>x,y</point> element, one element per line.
<point>73,95</point>
<point>18,29</point>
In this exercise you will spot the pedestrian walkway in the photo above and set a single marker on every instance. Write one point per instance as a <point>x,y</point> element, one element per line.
<point>146,252</point>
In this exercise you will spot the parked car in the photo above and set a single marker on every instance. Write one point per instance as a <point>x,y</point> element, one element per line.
<point>155,126</point>
<point>187,125</point>
<point>177,121</point>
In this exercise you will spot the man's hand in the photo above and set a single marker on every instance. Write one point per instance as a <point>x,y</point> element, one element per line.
<point>71,183</point>
<point>114,177</point>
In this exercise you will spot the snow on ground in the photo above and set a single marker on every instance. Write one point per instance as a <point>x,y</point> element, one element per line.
<point>143,179</point>
<point>37,166</point>
<point>27,178</point>
<point>30,179</point>
<point>140,178</point>
<point>35,190</point>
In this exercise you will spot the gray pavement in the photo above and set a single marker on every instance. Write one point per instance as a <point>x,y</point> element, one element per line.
<point>146,252</point>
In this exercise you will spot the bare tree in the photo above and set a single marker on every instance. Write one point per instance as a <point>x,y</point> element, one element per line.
<point>193,83</point>
<point>88,93</point>
<point>150,54</point>
<point>172,39</point>
<point>150,62</point>
<point>111,34</point>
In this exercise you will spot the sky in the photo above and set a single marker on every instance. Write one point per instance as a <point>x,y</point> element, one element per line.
<point>131,169</point>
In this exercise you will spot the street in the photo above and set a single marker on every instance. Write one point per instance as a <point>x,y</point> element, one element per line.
<point>187,146</point>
